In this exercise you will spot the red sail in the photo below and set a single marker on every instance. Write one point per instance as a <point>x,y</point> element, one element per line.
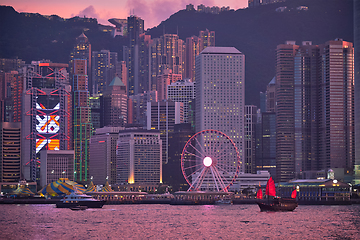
<point>270,188</point>
<point>259,194</point>
<point>293,194</point>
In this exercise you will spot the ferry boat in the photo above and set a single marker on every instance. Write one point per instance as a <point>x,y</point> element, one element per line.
<point>76,199</point>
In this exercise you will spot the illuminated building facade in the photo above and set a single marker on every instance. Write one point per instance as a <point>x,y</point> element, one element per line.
<point>206,39</point>
<point>135,27</point>
<point>249,139</point>
<point>55,165</point>
<point>163,81</point>
<point>46,122</point>
<point>162,116</point>
<point>103,68</point>
<point>314,108</point>
<point>137,107</point>
<point>82,120</point>
<point>115,104</point>
<point>103,155</point>
<point>11,90</point>
<point>172,174</point>
<point>139,158</point>
<point>167,52</point>
<point>357,90</point>
<point>191,51</point>
<point>82,50</point>
<point>182,91</point>
<point>220,94</point>
<point>10,152</point>
<point>336,108</point>
<point>193,47</point>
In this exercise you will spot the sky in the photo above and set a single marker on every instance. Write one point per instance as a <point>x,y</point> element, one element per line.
<point>152,11</point>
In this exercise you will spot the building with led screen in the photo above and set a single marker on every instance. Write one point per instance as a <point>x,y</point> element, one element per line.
<point>47,104</point>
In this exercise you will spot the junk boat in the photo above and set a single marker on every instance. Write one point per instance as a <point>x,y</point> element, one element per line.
<point>76,199</point>
<point>274,203</point>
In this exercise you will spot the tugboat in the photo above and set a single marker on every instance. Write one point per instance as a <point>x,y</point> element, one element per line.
<point>77,200</point>
<point>274,203</point>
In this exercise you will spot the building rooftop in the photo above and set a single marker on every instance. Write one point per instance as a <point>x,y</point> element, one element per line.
<point>116,82</point>
<point>220,50</point>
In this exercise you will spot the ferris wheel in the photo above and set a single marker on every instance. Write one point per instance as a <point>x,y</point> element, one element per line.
<point>210,161</point>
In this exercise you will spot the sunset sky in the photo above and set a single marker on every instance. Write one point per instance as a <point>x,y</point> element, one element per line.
<point>152,11</point>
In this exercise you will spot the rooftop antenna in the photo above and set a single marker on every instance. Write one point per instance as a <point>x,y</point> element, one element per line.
<point>177,30</point>
<point>164,29</point>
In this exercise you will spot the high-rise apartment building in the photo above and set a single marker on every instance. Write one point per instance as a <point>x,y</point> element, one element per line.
<point>139,158</point>
<point>103,68</point>
<point>249,139</point>
<point>193,46</point>
<point>103,155</point>
<point>220,94</point>
<point>10,152</point>
<point>163,81</point>
<point>114,107</point>
<point>167,52</point>
<point>314,108</point>
<point>82,120</point>
<point>162,116</point>
<point>357,89</point>
<point>11,91</point>
<point>192,50</point>
<point>182,91</point>
<point>206,39</point>
<point>137,107</point>
<point>135,27</point>
<point>47,106</point>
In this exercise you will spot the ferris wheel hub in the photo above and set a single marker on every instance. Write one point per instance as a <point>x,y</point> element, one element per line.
<point>207,161</point>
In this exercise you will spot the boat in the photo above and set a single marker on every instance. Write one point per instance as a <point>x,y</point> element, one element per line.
<point>77,199</point>
<point>273,202</point>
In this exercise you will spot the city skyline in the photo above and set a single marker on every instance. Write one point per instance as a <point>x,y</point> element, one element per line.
<point>104,10</point>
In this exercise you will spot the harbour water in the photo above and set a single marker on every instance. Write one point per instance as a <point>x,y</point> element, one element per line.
<point>147,221</point>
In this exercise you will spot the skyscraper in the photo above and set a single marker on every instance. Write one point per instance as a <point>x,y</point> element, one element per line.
<point>81,50</point>
<point>220,94</point>
<point>314,108</point>
<point>357,89</point>
<point>46,120</point>
<point>139,157</point>
<point>82,120</point>
<point>135,27</point>
<point>182,91</point>
<point>336,108</point>
<point>162,116</point>
<point>206,39</point>
<point>249,138</point>
<point>192,50</point>
<point>193,46</point>
<point>285,152</point>
<point>103,155</point>
<point>115,104</point>
<point>163,81</point>
<point>10,152</point>
<point>167,52</point>
<point>103,70</point>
